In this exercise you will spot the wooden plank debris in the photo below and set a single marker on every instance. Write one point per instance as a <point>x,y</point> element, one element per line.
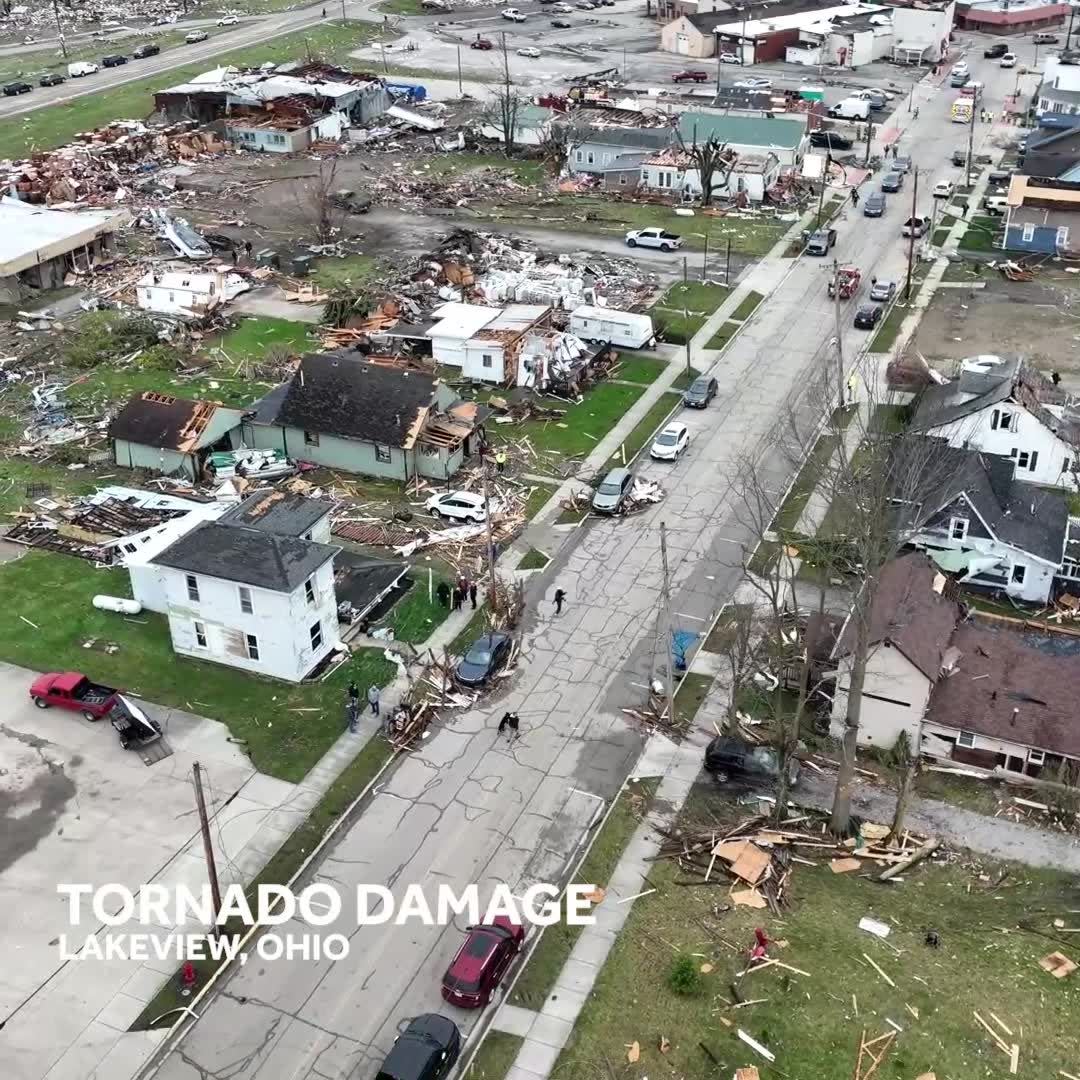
<point>921,853</point>
<point>1058,964</point>
<point>844,866</point>
<point>878,969</point>
<point>872,1054</point>
<point>766,1053</point>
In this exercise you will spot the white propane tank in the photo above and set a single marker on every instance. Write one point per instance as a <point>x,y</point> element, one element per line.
<point>117,603</point>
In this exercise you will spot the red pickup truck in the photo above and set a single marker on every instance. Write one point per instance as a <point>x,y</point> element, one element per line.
<point>73,690</point>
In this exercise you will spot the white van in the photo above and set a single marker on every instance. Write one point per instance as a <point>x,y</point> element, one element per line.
<point>622,328</point>
<point>851,108</point>
<point>996,204</point>
<point>83,67</point>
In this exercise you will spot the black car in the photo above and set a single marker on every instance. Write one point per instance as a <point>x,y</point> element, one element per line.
<point>144,51</point>
<point>700,392</point>
<point>426,1050</point>
<point>727,756</point>
<point>959,157</point>
<point>829,140</point>
<point>113,61</point>
<point>867,317</point>
<point>51,79</point>
<point>998,177</point>
<point>873,205</point>
<point>561,24</point>
<point>14,88</point>
<point>486,655</point>
<point>892,181</point>
<point>992,52</point>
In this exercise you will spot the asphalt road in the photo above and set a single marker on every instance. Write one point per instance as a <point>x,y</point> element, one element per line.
<point>467,808</point>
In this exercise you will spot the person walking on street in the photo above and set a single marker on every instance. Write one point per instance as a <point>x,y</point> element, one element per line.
<point>472,594</point>
<point>354,693</point>
<point>513,721</point>
<point>916,114</point>
<point>855,196</point>
<point>373,699</point>
<point>443,592</point>
<point>560,596</point>
<point>352,715</point>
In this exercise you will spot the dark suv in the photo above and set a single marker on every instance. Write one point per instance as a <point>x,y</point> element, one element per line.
<point>700,392</point>
<point>992,52</point>
<point>144,51</point>
<point>830,140</point>
<point>426,1050</point>
<point>113,61</point>
<point>17,88</point>
<point>727,757</point>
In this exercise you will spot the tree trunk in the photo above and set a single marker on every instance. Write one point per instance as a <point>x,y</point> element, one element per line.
<point>840,821</point>
<point>706,187</point>
<point>903,796</point>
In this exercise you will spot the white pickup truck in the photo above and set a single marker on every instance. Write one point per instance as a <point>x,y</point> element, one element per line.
<point>654,238</point>
<point>513,14</point>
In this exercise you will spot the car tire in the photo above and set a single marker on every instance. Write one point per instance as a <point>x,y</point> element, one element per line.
<point>436,512</point>
<point>88,715</point>
<point>720,776</point>
<point>41,703</point>
<point>666,247</point>
<point>631,242</point>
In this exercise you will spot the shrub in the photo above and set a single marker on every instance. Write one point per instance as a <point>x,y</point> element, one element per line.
<point>684,977</point>
<point>102,336</point>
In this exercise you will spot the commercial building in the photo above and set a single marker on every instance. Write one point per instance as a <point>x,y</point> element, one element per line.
<point>1009,16</point>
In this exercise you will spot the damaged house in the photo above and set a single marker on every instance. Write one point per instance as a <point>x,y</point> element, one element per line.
<point>674,173</point>
<point>281,112</point>
<point>188,294</point>
<point>172,435</point>
<point>41,246</point>
<point>344,412</point>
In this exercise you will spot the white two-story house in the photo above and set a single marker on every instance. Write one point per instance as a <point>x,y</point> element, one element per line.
<point>253,589</point>
<point>1004,406</point>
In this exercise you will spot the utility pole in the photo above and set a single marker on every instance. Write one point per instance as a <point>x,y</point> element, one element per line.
<point>705,256</point>
<point>208,846</point>
<point>971,146</point>
<point>1072,15</point>
<point>839,339</point>
<point>911,238</point>
<point>343,10</point>
<point>59,30</point>
<point>666,616</point>
<point>824,180</point>
<point>727,264</point>
<point>460,85</point>
<point>493,595</point>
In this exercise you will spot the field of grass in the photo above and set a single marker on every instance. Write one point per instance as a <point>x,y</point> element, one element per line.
<point>549,957</point>
<point>722,336</point>
<point>995,922</point>
<point>689,696</point>
<point>352,269</point>
<point>684,309</point>
<point>495,1056</point>
<point>18,474</point>
<point>529,171</point>
<point>747,307</point>
<point>400,7</point>
<point>57,124</point>
<point>889,329</point>
<point>639,368</point>
<point>644,430</point>
<point>538,499</point>
<point>54,593</point>
<point>533,560</point>
<point>981,232</point>
<point>415,617</point>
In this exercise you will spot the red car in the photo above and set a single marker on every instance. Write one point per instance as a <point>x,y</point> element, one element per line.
<point>481,43</point>
<point>481,962</point>
<point>690,76</point>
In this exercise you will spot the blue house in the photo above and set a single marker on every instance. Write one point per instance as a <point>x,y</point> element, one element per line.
<point>1043,216</point>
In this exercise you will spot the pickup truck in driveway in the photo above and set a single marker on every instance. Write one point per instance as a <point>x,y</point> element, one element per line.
<point>73,690</point>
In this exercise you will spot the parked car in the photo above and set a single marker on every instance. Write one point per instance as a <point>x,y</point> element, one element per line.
<point>585,5</point>
<point>753,84</point>
<point>959,157</point>
<point>821,242</point>
<point>992,52</point>
<point>426,1050</point>
<point>996,205</point>
<point>481,962</point>
<point>228,20</point>
<point>1008,60</point>
<point>561,24</point>
<point>727,756</point>
<point>998,177</point>
<point>960,67</point>
<point>530,52</point>
<point>80,68</point>
<point>73,690</point>
<point>876,97</point>
<point>513,14</point>
<point>700,392</point>
<point>14,88</point>
<point>958,78</point>
<point>196,35</point>
<point>144,51</point>
<point>729,58</point>
<point>867,317</point>
<point>481,43</point>
<point>670,443</point>
<point>914,226</point>
<point>563,9</point>
<point>901,163</point>
<point>944,189</point>
<point>883,291</point>
<point>53,78</point>
<point>113,61</point>
<point>892,181</point>
<point>459,505</point>
<point>1045,39</point>
<point>873,205</point>
<point>654,238</point>
<point>690,76</point>
<point>612,492</point>
<point>830,140</point>
<point>485,656</point>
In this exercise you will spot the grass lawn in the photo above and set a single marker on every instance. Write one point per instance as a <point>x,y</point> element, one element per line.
<point>939,237</point>
<point>891,419</point>
<point>353,268</point>
<point>57,124</point>
<point>722,336</point>
<point>689,695</point>
<point>17,474</point>
<point>469,633</point>
<point>414,617</point>
<point>401,7</point>
<point>253,336</point>
<point>54,592</point>
<point>961,270</point>
<point>533,560</point>
<point>528,171</point>
<point>685,378</point>
<point>551,954</point>
<point>683,310</point>
<point>538,499</point>
<point>981,233</point>
<point>889,329</point>
<point>644,431</point>
<point>993,933</point>
<point>284,863</point>
<point>638,368</point>
<point>747,307</point>
<point>495,1056</point>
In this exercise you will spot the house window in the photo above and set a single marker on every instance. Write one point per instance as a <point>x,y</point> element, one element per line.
<point>1023,459</point>
<point>965,738</point>
<point>1062,236</point>
<point>1036,757</point>
<point>486,360</point>
<point>1018,574</point>
<point>958,528</point>
<point>172,298</point>
<point>590,158</point>
<point>316,635</point>
<point>200,635</point>
<point>311,438</point>
<point>579,156</point>
<point>1029,234</point>
<point>309,589</point>
<point>245,600</point>
<point>1002,420</point>
<point>192,588</point>
<point>252,643</point>
<point>1066,465</point>
<point>382,453</point>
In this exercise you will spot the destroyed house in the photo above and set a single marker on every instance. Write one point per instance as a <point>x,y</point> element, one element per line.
<point>40,247</point>
<point>488,343</point>
<point>171,435</point>
<point>345,412</point>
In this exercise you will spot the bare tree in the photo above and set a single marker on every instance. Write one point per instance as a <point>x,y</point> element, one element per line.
<point>503,110</point>
<point>322,206</point>
<point>561,138</point>
<point>714,162</point>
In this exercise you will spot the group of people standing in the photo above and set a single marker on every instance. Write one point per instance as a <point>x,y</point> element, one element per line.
<point>454,596</point>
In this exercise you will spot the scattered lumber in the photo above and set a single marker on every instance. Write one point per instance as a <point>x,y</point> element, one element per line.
<point>928,848</point>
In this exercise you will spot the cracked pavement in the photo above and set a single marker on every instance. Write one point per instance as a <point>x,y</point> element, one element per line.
<point>468,808</point>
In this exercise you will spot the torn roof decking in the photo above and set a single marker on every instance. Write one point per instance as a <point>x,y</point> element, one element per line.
<point>171,423</point>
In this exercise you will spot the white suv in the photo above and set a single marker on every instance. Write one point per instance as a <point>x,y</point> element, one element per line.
<point>514,15</point>
<point>458,505</point>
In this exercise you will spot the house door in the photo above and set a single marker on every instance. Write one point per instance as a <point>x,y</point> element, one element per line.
<point>682,44</point>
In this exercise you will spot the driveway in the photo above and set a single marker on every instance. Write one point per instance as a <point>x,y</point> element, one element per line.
<point>468,808</point>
